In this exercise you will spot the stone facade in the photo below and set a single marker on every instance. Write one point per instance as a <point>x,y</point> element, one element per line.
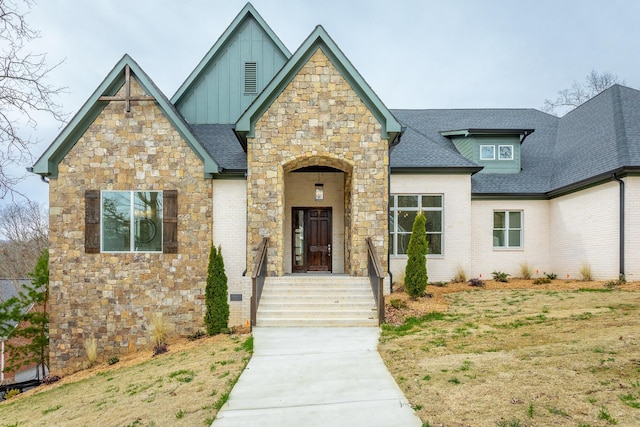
<point>318,120</point>
<point>112,296</point>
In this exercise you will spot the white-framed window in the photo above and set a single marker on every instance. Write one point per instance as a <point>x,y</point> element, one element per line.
<point>487,152</point>
<point>131,221</point>
<point>507,229</point>
<point>505,152</point>
<point>403,209</point>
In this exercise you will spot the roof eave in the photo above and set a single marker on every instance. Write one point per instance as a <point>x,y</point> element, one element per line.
<point>47,164</point>
<point>450,170</point>
<point>245,125</point>
<point>247,10</point>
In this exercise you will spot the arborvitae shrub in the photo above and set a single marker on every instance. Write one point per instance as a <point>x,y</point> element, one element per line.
<point>415,276</point>
<point>217,316</point>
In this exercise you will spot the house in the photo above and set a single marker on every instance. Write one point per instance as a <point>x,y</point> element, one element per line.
<point>11,289</point>
<point>295,153</point>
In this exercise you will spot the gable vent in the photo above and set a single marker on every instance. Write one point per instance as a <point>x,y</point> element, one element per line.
<point>250,77</point>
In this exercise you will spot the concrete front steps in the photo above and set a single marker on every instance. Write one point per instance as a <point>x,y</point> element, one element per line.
<point>317,300</point>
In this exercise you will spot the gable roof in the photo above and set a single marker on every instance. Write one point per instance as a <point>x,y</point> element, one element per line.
<point>600,137</point>
<point>423,146</point>
<point>318,39</point>
<point>47,164</point>
<point>248,11</point>
<point>583,148</point>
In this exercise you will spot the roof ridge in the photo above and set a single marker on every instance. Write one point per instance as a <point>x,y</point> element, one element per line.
<point>622,142</point>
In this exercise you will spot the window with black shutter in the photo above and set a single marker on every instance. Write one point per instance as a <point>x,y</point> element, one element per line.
<point>131,221</point>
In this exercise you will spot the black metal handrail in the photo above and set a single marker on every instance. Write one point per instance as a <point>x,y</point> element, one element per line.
<point>376,277</point>
<point>257,277</point>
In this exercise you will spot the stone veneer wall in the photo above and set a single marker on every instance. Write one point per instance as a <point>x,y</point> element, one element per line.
<point>318,119</point>
<point>112,296</point>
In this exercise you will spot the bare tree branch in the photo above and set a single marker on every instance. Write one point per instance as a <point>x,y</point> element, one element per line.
<point>579,93</point>
<point>24,91</point>
<point>23,237</point>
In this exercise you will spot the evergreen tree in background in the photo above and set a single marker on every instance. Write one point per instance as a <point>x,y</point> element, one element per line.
<point>34,329</point>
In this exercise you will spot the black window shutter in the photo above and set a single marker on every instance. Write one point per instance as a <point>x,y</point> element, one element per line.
<point>92,221</point>
<point>170,221</point>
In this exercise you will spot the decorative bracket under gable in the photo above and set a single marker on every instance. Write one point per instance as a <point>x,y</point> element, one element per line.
<point>127,92</point>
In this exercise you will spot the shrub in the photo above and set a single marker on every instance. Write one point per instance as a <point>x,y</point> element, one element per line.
<point>11,393</point>
<point>217,317</point>
<point>441,284</point>
<point>91,350</point>
<point>159,349</point>
<point>551,276</point>
<point>196,335</point>
<point>159,333</point>
<point>397,304</point>
<point>500,276</point>
<point>525,271</point>
<point>613,284</point>
<point>585,272</point>
<point>415,276</point>
<point>476,282</point>
<point>461,275</point>
<point>541,280</point>
<point>113,360</point>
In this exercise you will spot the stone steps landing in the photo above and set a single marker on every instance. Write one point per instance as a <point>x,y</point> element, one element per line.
<point>317,301</point>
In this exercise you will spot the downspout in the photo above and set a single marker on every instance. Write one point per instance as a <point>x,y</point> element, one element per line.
<point>392,144</point>
<point>614,177</point>
<point>388,225</point>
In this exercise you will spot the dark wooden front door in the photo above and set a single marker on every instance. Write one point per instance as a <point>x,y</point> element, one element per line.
<point>311,239</point>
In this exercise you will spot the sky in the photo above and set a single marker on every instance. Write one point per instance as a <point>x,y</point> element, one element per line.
<point>415,54</point>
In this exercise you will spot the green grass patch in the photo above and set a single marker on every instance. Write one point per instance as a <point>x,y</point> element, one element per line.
<point>183,375</point>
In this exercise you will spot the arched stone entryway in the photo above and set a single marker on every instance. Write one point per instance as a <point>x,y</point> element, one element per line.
<point>318,120</point>
<point>313,248</point>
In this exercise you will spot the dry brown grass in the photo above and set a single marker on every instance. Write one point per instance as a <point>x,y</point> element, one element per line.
<point>181,387</point>
<point>518,354</point>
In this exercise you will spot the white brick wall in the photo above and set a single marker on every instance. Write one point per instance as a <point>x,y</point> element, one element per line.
<point>535,249</point>
<point>456,190</point>
<point>230,232</point>
<point>584,230</point>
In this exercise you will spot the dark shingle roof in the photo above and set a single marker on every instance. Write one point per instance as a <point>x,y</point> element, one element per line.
<point>595,139</point>
<point>223,146</point>
<point>536,170</point>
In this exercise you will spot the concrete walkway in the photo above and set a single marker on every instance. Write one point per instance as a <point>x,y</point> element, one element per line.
<point>316,377</point>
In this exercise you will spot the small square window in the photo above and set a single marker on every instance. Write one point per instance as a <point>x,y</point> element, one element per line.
<point>505,152</point>
<point>487,152</point>
<point>507,229</point>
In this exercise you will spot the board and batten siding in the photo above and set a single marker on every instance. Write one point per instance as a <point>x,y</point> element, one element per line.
<point>469,147</point>
<point>497,165</point>
<point>218,96</point>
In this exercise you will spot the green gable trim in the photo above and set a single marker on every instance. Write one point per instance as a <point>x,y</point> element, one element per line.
<point>247,12</point>
<point>318,39</point>
<point>436,170</point>
<point>523,133</point>
<point>47,164</point>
